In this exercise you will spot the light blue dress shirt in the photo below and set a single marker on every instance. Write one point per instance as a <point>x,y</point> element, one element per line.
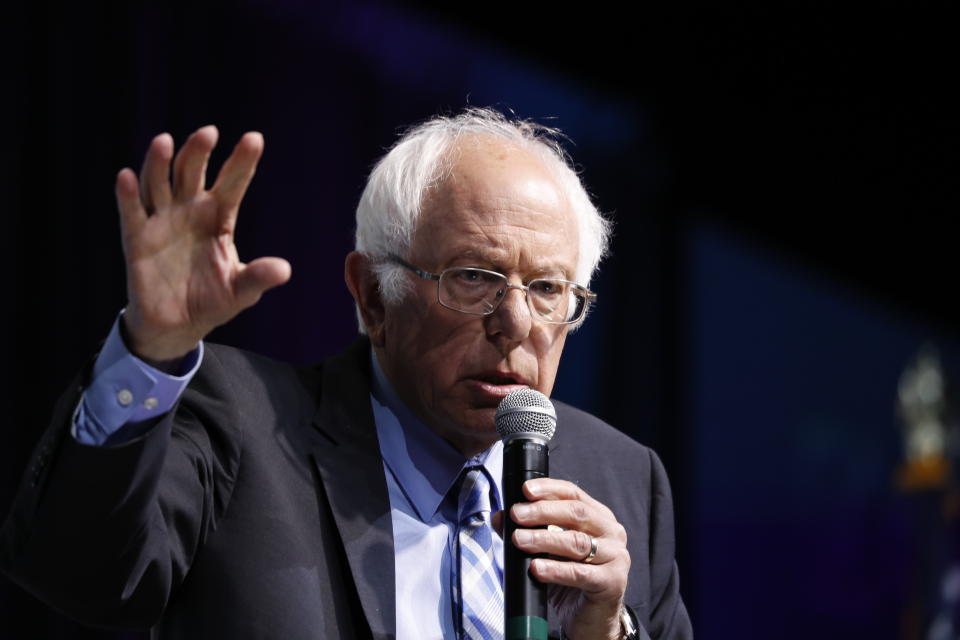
<point>127,392</point>
<point>420,469</point>
<point>126,395</point>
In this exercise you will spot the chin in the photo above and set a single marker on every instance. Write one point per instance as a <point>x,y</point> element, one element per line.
<point>476,433</point>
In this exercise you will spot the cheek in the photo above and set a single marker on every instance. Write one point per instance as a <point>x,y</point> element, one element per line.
<point>432,344</point>
<point>549,350</point>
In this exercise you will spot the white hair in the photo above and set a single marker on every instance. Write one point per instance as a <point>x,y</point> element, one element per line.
<point>391,201</point>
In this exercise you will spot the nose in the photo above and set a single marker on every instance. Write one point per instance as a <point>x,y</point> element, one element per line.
<point>511,319</point>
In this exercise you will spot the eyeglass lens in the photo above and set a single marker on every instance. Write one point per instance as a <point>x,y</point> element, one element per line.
<point>480,291</point>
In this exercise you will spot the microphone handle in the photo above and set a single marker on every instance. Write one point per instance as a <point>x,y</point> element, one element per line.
<point>525,597</point>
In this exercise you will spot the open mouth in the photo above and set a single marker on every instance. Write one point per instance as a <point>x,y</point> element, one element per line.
<point>499,378</point>
<point>498,383</point>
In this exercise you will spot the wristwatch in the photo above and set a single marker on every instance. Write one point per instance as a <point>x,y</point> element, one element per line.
<point>629,625</point>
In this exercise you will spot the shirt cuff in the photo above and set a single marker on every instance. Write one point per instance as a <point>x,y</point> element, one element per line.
<point>125,390</point>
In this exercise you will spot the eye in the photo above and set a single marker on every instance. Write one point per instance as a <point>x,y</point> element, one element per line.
<point>548,288</point>
<point>469,276</point>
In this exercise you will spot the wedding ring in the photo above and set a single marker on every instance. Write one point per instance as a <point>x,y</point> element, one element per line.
<point>594,543</point>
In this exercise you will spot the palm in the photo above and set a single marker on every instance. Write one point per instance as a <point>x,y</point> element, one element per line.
<point>184,264</point>
<point>184,276</point>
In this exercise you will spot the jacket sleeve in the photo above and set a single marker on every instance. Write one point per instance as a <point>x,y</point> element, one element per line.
<point>668,615</point>
<point>105,534</point>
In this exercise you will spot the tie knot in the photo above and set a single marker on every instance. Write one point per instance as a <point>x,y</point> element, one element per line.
<point>474,498</point>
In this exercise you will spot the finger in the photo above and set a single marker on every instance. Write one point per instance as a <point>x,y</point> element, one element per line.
<point>237,171</point>
<point>570,514</point>
<point>574,545</point>
<point>255,278</point>
<point>555,489</point>
<point>132,213</point>
<point>155,174</point>
<point>190,166</point>
<point>590,578</point>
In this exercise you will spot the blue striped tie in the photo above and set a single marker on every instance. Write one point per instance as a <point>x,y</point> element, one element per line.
<point>481,582</point>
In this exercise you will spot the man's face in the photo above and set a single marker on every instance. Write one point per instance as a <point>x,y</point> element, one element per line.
<point>501,210</point>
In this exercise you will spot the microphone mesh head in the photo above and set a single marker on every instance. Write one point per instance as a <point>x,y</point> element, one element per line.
<point>526,412</point>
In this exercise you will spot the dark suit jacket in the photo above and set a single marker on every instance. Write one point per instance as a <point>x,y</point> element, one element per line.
<point>259,509</point>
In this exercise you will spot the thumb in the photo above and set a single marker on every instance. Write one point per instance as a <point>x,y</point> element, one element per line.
<point>258,276</point>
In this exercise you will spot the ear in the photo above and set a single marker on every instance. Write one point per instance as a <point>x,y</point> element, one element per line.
<point>363,286</point>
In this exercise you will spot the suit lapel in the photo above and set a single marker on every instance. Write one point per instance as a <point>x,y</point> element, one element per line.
<point>351,469</point>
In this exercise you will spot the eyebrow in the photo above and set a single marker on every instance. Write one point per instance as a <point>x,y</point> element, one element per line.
<point>488,258</point>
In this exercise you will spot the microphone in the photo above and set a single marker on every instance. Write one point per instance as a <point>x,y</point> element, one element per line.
<point>525,421</point>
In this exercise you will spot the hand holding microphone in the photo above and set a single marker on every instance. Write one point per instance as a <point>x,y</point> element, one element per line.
<point>588,560</point>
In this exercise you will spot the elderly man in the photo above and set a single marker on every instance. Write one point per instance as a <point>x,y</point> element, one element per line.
<point>208,492</point>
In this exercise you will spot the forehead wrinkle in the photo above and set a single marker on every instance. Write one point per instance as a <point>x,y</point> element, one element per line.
<point>520,245</point>
<point>538,188</point>
<point>505,212</point>
<point>506,208</point>
<point>506,250</point>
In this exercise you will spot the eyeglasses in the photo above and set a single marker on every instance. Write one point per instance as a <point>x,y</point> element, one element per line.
<point>479,292</point>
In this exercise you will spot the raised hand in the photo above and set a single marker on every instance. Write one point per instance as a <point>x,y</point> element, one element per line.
<point>586,590</point>
<point>184,277</point>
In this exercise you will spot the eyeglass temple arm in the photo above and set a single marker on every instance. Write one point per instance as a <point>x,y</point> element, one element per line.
<point>426,275</point>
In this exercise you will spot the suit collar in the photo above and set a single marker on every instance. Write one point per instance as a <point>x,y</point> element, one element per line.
<point>348,460</point>
<point>343,414</point>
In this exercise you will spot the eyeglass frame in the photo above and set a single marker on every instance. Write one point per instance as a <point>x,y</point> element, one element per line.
<point>589,296</point>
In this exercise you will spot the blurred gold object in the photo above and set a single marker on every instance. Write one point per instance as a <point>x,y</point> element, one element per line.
<point>922,409</point>
<point>922,474</point>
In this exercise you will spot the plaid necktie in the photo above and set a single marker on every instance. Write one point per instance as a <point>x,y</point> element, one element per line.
<point>481,583</point>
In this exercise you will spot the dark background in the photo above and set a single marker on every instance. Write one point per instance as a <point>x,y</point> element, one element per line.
<point>783,181</point>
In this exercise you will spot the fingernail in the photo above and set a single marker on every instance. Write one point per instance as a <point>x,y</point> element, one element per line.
<point>521,510</point>
<point>533,488</point>
<point>523,536</point>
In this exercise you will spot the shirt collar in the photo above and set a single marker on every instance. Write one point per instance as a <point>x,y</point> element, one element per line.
<point>423,464</point>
